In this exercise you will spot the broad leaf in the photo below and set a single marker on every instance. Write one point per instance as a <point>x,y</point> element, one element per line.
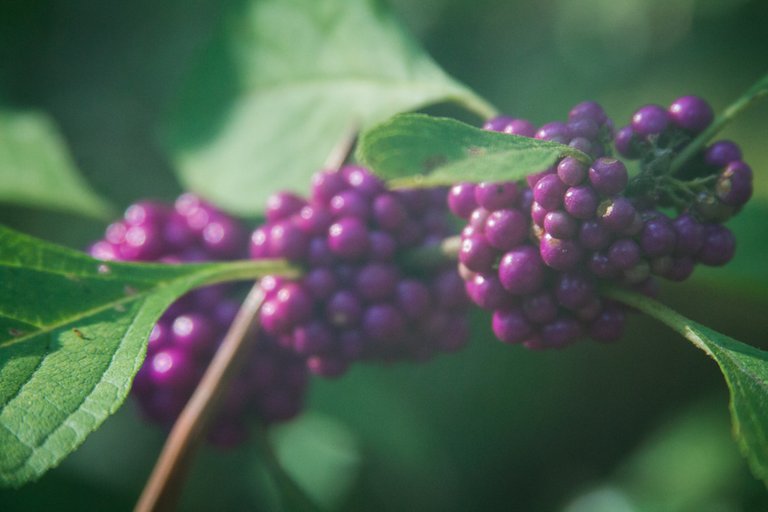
<point>744,367</point>
<point>282,82</point>
<point>73,333</point>
<point>36,169</point>
<point>420,150</point>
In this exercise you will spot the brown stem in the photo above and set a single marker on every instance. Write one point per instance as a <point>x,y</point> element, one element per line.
<point>164,485</point>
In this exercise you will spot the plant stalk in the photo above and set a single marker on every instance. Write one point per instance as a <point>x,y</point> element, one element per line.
<point>164,486</point>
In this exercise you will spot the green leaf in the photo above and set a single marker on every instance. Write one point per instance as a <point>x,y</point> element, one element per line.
<point>73,333</point>
<point>36,169</point>
<point>744,367</point>
<point>282,82</point>
<point>420,150</point>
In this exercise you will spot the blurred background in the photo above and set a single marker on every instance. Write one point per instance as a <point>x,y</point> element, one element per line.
<point>641,426</point>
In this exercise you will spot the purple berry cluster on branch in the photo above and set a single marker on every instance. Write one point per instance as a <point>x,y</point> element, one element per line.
<point>272,382</point>
<point>356,299</point>
<point>536,252</point>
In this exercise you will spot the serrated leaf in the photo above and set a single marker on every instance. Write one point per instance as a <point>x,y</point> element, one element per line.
<point>37,170</point>
<point>420,150</point>
<point>73,333</point>
<point>283,82</point>
<point>744,367</point>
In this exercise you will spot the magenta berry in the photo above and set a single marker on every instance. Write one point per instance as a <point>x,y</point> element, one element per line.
<point>691,113</point>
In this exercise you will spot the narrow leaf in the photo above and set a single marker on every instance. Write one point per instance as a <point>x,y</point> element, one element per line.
<point>36,169</point>
<point>282,82</point>
<point>744,367</point>
<point>73,333</point>
<point>420,150</point>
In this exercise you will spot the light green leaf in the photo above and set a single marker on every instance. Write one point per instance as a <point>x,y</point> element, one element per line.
<point>282,82</point>
<point>73,333</point>
<point>36,169</point>
<point>420,150</point>
<point>744,367</point>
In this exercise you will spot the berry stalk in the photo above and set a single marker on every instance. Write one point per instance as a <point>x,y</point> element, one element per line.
<point>165,482</point>
<point>758,90</point>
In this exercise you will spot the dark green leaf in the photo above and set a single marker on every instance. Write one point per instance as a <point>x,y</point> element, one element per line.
<point>73,333</point>
<point>744,367</point>
<point>419,150</point>
<point>283,82</point>
<point>36,169</point>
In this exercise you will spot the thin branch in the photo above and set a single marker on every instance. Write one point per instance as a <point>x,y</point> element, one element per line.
<point>341,150</point>
<point>164,485</point>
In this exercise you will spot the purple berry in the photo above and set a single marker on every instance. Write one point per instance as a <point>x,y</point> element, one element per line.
<point>560,225</point>
<point>617,214</point>
<point>625,142</point>
<point>549,191</point>
<point>581,202</point>
<point>593,235</point>
<point>624,254</point>
<point>571,171</point>
<point>497,124</point>
<point>608,176</point>
<point>574,290</point>
<point>476,253</point>
<point>719,245</point>
<point>521,271</point>
<point>690,235</point>
<point>505,229</point>
<point>350,203</point>
<point>173,368</point>
<point>561,332</point>
<point>282,205</point>
<point>286,241</point>
<point>554,131</point>
<point>389,212</point>
<point>691,113</point>
<point>461,200</point>
<point>496,195</point>
<point>344,309</point>
<point>734,186</point>
<point>540,308</point>
<point>520,127</point>
<point>721,153</point>
<point>590,110</point>
<point>650,120</point>
<point>658,237</point>
<point>413,298</point>
<point>377,281</point>
<point>487,292</point>
<point>192,332</point>
<point>511,326</point>
<point>325,185</point>
<point>560,254</point>
<point>384,323</point>
<point>348,238</point>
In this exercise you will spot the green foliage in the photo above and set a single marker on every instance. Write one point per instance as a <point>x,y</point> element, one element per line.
<point>36,169</point>
<point>73,333</point>
<point>419,150</point>
<point>744,367</point>
<point>283,82</point>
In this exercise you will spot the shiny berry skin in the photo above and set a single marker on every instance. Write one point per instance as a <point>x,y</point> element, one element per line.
<point>691,113</point>
<point>348,238</point>
<point>521,270</point>
<point>650,120</point>
<point>608,176</point>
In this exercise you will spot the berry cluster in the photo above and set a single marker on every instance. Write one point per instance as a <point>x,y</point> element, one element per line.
<point>717,182</point>
<point>181,344</point>
<point>536,253</point>
<point>356,299</point>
